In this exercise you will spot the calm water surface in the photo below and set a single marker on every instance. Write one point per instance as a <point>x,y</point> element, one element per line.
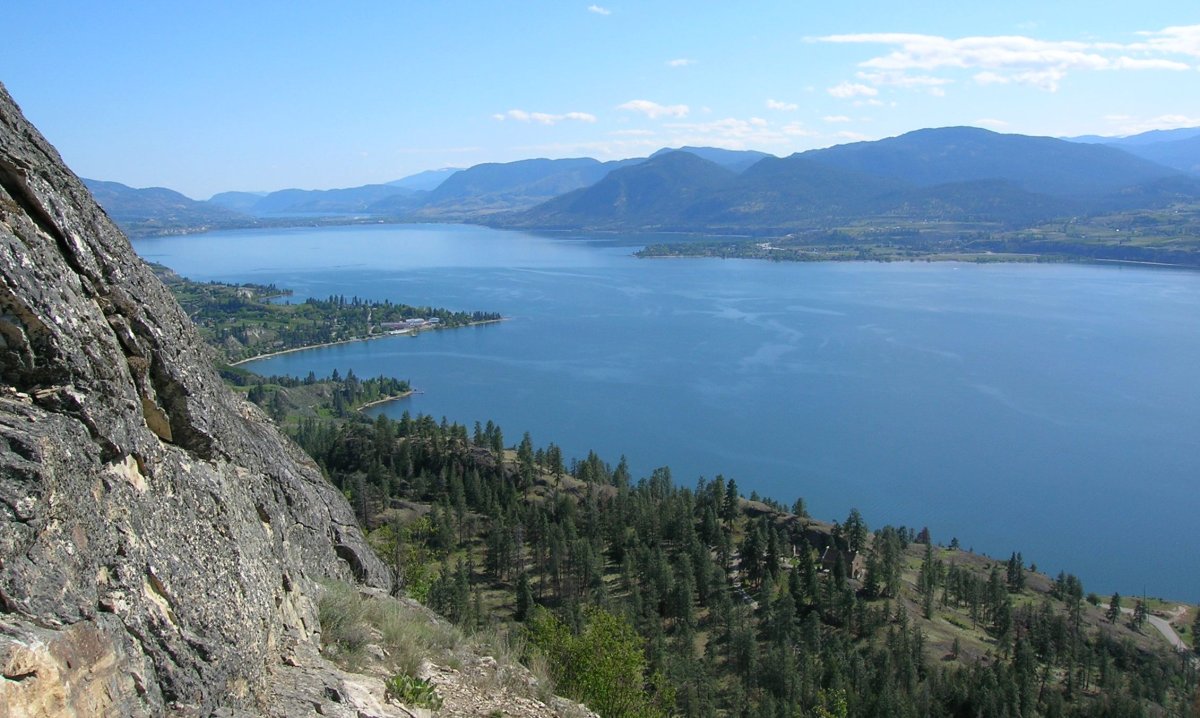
<point>1048,409</point>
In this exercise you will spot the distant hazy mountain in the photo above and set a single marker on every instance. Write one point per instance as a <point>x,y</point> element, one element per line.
<point>957,174</point>
<point>1142,138</point>
<point>1182,154</point>
<point>427,180</point>
<point>660,192</point>
<point>157,209</point>
<point>496,187</point>
<point>963,154</point>
<point>736,160</point>
<point>951,174</point>
<point>1178,149</point>
<point>350,200</point>
<point>303,202</point>
<point>237,201</point>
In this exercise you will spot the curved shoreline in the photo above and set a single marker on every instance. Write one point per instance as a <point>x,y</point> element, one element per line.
<point>399,333</point>
<point>386,399</point>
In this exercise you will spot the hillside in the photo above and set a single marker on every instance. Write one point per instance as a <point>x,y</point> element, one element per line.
<point>962,154</point>
<point>158,210</point>
<point>494,187</point>
<point>661,192</point>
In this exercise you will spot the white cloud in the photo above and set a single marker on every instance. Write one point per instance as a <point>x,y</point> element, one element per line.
<point>632,133</point>
<point>619,148</point>
<point>1047,79</point>
<point>1127,125</point>
<point>653,110</point>
<point>1016,59</point>
<point>835,119</point>
<point>599,10</point>
<point>680,62</point>
<point>544,118</point>
<point>933,85</point>
<point>784,106</point>
<point>847,90</point>
<point>796,129</point>
<point>1131,63</point>
<point>852,136</point>
<point>735,133</point>
<point>990,122</point>
<point>1179,40</point>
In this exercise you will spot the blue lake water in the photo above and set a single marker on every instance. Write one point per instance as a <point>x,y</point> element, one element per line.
<point>1047,409</point>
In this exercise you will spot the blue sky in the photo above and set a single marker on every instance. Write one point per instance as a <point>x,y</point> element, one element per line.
<point>206,97</point>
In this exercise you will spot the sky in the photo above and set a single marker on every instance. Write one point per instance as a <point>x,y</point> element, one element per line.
<point>259,96</point>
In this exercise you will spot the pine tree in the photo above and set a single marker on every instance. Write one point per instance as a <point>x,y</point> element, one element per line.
<point>1114,608</point>
<point>525,600</point>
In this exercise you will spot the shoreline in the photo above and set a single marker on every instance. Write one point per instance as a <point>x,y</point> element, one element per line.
<point>400,333</point>
<point>386,399</point>
<point>966,259</point>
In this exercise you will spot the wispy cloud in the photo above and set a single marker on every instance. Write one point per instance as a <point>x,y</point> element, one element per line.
<point>599,10</point>
<point>1016,59</point>
<point>847,90</point>
<point>780,105</point>
<point>836,119</point>
<point>852,136</point>
<point>680,62</point>
<point>544,118</point>
<point>1179,40</point>
<point>736,133</point>
<point>653,110</point>
<point>899,79</point>
<point>991,122</point>
<point>1130,125</point>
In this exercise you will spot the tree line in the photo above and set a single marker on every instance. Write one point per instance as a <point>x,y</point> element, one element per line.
<point>712,604</point>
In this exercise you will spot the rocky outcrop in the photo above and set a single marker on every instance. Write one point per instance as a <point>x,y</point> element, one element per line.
<point>160,541</point>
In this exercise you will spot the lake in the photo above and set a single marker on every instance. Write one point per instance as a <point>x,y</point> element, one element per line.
<point>1051,409</point>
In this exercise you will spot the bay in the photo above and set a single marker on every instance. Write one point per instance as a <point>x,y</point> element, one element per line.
<point>1050,409</point>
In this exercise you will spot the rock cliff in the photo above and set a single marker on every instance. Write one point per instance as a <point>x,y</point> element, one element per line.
<point>160,541</point>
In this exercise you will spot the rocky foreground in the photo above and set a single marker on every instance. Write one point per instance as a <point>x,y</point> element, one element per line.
<point>161,543</point>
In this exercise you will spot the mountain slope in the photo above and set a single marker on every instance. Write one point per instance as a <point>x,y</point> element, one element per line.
<point>494,187</point>
<point>425,181</point>
<point>736,160</point>
<point>1180,154</point>
<point>156,208</point>
<point>657,193</point>
<point>962,154</point>
<point>330,201</point>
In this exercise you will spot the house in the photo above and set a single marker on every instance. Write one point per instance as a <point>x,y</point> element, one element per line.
<point>854,561</point>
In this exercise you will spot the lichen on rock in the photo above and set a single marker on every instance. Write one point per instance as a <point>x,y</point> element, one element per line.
<point>160,541</point>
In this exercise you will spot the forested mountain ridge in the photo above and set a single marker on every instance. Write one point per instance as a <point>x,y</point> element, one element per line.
<point>943,193</point>
<point>719,604</point>
<point>980,179</point>
<point>732,605</point>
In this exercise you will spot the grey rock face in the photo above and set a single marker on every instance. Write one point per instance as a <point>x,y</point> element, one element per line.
<point>160,541</point>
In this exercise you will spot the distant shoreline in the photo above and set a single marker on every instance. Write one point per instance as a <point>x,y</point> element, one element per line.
<point>386,399</point>
<point>398,333</point>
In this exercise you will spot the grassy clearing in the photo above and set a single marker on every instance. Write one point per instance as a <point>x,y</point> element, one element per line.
<point>407,635</point>
<point>350,622</point>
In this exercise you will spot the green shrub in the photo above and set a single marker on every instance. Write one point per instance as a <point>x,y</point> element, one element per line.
<point>410,691</point>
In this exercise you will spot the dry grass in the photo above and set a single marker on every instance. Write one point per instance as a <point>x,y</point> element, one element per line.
<point>350,621</point>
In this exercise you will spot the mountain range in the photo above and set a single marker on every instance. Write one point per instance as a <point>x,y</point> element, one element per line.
<point>951,174</point>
